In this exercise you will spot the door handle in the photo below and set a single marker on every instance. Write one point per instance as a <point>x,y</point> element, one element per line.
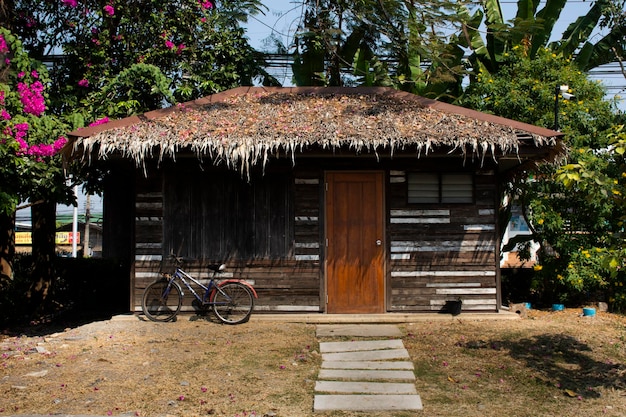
<point>379,242</point>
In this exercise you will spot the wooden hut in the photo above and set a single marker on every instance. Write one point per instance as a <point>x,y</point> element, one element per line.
<point>330,200</point>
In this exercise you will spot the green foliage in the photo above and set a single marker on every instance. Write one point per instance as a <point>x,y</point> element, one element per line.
<point>532,29</point>
<point>601,177</point>
<point>145,55</point>
<point>524,89</point>
<point>135,89</point>
<point>571,208</point>
<point>380,43</point>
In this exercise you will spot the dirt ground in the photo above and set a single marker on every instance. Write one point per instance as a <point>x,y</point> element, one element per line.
<point>549,364</point>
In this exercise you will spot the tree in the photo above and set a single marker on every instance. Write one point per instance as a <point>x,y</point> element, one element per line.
<point>379,43</point>
<point>532,29</point>
<point>139,55</point>
<point>107,58</point>
<point>562,220</point>
<point>31,138</point>
<point>601,176</point>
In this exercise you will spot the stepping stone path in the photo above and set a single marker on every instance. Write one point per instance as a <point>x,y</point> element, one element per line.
<point>365,375</point>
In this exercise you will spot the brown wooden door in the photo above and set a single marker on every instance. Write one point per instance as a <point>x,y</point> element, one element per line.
<point>355,242</point>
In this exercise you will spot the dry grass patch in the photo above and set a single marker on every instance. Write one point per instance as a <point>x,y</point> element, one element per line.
<point>551,364</point>
<point>186,368</point>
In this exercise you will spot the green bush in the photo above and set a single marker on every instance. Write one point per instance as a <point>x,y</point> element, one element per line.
<point>84,287</point>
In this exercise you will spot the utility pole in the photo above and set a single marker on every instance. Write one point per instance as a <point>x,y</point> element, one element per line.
<point>86,252</point>
<point>75,226</point>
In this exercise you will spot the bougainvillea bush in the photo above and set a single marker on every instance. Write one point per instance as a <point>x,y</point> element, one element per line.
<point>30,137</point>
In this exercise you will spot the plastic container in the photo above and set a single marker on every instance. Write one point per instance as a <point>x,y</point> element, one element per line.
<point>527,305</point>
<point>589,312</point>
<point>558,307</point>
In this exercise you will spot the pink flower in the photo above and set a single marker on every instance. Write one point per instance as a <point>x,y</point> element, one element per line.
<point>99,121</point>
<point>19,133</point>
<point>109,10</point>
<point>34,74</point>
<point>206,4</point>
<point>4,48</point>
<point>180,48</point>
<point>83,83</point>
<point>181,398</point>
<point>169,44</point>
<point>71,3</point>
<point>32,98</point>
<point>5,115</point>
<point>59,143</point>
<point>21,74</point>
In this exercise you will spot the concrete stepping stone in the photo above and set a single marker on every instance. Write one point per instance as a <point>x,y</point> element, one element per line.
<point>360,345</point>
<point>365,387</point>
<point>366,374</point>
<point>367,365</point>
<point>358,330</point>
<point>367,355</point>
<point>367,402</point>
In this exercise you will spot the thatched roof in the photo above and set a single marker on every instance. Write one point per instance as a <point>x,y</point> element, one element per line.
<point>246,126</point>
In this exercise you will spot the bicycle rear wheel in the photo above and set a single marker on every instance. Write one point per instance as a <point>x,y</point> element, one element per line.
<point>233,303</point>
<point>161,301</point>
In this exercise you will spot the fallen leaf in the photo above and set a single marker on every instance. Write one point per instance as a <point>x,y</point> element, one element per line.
<point>570,393</point>
<point>452,379</point>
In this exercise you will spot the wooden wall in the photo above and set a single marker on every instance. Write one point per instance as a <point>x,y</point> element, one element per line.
<point>442,252</point>
<point>436,253</point>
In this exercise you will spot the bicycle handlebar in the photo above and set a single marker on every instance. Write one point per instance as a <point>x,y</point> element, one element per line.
<point>179,260</point>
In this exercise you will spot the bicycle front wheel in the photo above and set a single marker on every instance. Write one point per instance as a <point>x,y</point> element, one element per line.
<point>233,303</point>
<point>161,300</point>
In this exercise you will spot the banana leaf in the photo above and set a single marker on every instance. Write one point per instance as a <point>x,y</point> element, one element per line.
<point>548,17</point>
<point>579,31</point>
<point>604,51</point>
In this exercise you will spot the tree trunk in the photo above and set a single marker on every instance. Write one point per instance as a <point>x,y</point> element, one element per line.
<point>43,238</point>
<point>7,248</point>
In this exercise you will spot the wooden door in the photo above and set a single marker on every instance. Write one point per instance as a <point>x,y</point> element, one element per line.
<point>355,225</point>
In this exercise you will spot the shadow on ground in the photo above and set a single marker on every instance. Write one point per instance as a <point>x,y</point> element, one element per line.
<point>562,361</point>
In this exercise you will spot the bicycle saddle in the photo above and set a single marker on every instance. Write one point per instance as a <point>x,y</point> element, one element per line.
<point>216,267</point>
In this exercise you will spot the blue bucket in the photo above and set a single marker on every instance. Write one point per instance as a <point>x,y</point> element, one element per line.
<point>527,305</point>
<point>589,312</point>
<point>558,307</point>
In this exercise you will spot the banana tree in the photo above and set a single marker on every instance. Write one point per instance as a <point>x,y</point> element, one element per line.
<point>532,28</point>
<point>609,48</point>
<point>380,43</point>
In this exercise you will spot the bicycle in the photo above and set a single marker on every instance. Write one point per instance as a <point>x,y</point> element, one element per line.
<point>232,300</point>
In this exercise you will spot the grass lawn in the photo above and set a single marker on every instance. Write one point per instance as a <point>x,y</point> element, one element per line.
<point>549,364</point>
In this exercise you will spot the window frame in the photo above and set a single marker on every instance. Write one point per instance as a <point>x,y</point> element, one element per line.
<point>441,192</point>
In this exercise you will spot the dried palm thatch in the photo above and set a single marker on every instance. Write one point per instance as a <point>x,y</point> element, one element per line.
<point>245,127</point>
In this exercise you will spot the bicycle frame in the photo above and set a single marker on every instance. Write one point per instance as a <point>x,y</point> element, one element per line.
<point>209,289</point>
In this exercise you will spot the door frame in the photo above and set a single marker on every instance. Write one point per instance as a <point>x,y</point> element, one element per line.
<point>384,224</point>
